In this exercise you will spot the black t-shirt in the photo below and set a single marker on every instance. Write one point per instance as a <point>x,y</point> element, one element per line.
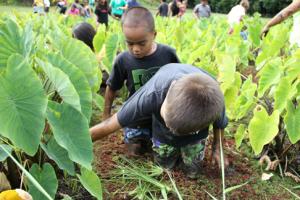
<point>137,71</point>
<point>163,9</point>
<point>101,12</point>
<point>143,108</point>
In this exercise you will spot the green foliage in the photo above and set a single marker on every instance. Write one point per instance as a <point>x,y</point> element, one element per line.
<point>262,128</point>
<point>23,104</point>
<point>292,122</point>
<point>46,177</point>
<point>55,152</point>
<point>74,137</point>
<point>91,182</point>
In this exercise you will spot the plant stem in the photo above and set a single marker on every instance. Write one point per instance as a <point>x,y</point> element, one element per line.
<point>222,168</point>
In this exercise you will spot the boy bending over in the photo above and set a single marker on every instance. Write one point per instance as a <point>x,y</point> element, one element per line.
<point>178,104</point>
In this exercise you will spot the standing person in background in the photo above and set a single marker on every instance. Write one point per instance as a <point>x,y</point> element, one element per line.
<point>46,5</point>
<point>87,9</point>
<point>182,8</point>
<point>174,7</point>
<point>236,14</point>
<point>135,67</point>
<point>117,8</point>
<point>74,10</point>
<point>101,12</point>
<point>132,3</point>
<point>202,10</point>
<point>292,9</point>
<point>62,5</point>
<point>38,6</point>
<point>79,7</point>
<point>92,4</point>
<point>163,9</point>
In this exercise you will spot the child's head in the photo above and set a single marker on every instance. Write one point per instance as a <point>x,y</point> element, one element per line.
<point>192,103</point>
<point>73,6</point>
<point>163,1</point>
<point>84,32</point>
<point>102,1</point>
<point>205,2</point>
<point>76,1</point>
<point>139,30</point>
<point>245,4</point>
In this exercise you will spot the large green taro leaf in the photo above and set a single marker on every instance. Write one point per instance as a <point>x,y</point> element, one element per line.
<point>78,80</point>
<point>46,178</point>
<point>262,128</point>
<point>269,75</point>
<point>59,155</point>
<point>292,120</point>
<point>82,57</point>
<point>91,182</point>
<point>99,38</point>
<point>111,47</point>
<point>284,91</point>
<point>62,84</point>
<point>12,40</point>
<point>239,135</point>
<point>22,105</point>
<point>71,131</point>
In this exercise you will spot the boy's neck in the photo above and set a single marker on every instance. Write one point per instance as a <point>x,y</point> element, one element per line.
<point>153,49</point>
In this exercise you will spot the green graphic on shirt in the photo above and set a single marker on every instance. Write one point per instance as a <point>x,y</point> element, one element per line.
<point>141,76</point>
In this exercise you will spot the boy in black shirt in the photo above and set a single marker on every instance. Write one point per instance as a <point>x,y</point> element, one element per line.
<point>178,103</point>
<point>163,9</point>
<point>136,66</point>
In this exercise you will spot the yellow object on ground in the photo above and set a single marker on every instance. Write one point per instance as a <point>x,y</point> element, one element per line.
<point>17,194</point>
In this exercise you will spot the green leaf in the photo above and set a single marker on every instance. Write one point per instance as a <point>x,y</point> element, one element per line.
<point>13,40</point>
<point>292,122</point>
<point>71,131</point>
<point>231,95</point>
<point>28,175</point>
<point>47,179</point>
<point>62,84</point>
<point>235,187</point>
<point>59,155</point>
<point>246,99</point>
<point>91,182</point>
<point>262,128</point>
<point>111,47</point>
<point>3,154</point>
<point>284,91</point>
<point>82,57</point>
<point>78,80</point>
<point>227,67</point>
<point>99,101</point>
<point>269,75</point>
<point>99,38</point>
<point>23,105</point>
<point>239,135</point>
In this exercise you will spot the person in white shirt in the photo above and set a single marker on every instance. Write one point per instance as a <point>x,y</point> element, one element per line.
<point>236,14</point>
<point>292,9</point>
<point>46,6</point>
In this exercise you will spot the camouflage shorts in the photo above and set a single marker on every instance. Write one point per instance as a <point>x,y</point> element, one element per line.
<point>167,155</point>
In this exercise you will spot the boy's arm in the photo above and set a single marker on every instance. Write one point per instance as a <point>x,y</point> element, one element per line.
<point>108,101</point>
<point>195,12</point>
<point>105,128</point>
<point>281,16</point>
<point>216,156</point>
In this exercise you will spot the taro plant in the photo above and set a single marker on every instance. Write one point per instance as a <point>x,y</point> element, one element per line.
<point>47,86</point>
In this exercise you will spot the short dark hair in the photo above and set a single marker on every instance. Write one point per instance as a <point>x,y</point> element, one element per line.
<point>192,103</point>
<point>84,32</point>
<point>138,16</point>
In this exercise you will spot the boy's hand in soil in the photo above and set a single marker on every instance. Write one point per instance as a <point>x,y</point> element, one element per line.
<point>216,154</point>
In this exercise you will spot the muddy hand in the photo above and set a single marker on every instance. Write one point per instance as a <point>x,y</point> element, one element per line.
<point>216,159</point>
<point>264,32</point>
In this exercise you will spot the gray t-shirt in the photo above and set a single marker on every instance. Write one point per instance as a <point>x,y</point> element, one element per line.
<point>135,72</point>
<point>143,108</point>
<point>202,10</point>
